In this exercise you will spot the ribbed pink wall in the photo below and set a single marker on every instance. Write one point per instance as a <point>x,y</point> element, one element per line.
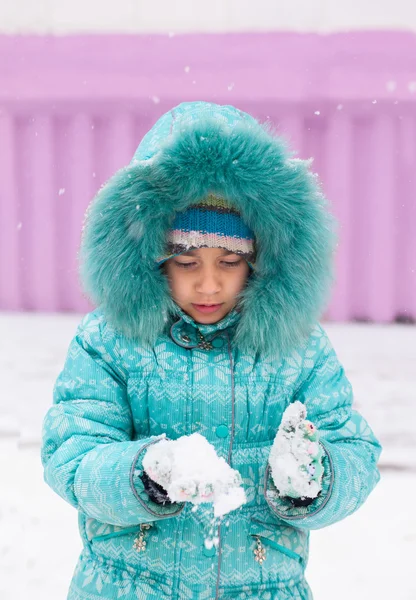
<point>72,111</point>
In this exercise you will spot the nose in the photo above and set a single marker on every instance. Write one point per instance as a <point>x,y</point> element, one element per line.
<point>208,283</point>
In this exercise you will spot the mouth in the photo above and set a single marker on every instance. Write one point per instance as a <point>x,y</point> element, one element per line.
<point>207,308</point>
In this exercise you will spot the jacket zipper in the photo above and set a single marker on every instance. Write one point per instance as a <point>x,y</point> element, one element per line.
<point>139,543</point>
<point>217,587</point>
<point>260,551</point>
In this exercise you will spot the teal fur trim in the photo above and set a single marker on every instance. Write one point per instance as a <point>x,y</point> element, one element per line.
<point>278,197</point>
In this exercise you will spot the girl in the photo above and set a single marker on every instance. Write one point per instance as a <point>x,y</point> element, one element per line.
<point>209,260</point>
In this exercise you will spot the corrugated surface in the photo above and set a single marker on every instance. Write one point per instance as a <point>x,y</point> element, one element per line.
<point>73,110</point>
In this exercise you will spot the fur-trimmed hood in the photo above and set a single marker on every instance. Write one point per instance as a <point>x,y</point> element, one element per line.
<point>194,149</point>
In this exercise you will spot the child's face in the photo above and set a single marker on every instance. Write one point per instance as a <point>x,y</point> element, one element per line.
<point>206,276</point>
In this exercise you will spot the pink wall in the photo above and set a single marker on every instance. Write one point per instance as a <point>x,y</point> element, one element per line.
<point>73,109</point>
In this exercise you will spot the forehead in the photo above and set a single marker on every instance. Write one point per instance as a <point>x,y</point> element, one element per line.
<point>207,251</point>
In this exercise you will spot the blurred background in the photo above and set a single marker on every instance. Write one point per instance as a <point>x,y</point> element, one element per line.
<point>80,84</point>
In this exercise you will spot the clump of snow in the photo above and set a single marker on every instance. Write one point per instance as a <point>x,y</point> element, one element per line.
<point>230,500</point>
<point>292,453</point>
<point>211,542</point>
<point>190,470</point>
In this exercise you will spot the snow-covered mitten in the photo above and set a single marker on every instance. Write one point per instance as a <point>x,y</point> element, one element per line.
<point>189,469</point>
<point>296,456</point>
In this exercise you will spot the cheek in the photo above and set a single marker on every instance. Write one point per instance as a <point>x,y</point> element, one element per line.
<point>241,279</point>
<point>178,285</point>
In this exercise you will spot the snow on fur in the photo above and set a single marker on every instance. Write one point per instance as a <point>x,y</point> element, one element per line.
<point>189,469</point>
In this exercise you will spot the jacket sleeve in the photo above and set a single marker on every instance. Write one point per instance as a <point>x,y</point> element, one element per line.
<point>88,452</point>
<point>351,451</point>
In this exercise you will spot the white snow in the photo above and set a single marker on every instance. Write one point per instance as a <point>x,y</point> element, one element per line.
<point>190,470</point>
<point>293,452</point>
<point>229,500</point>
<point>368,555</point>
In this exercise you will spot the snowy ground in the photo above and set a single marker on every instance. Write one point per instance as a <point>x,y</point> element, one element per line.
<point>369,555</point>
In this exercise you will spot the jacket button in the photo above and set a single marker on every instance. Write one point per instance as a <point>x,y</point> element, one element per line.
<point>217,342</point>
<point>222,431</point>
<point>186,338</point>
<point>208,551</point>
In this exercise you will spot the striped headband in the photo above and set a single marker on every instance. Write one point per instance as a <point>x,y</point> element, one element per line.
<point>211,223</point>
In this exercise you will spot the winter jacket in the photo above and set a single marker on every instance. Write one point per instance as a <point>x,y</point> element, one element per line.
<point>137,370</point>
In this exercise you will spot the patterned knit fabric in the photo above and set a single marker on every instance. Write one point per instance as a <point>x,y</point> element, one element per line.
<point>211,223</point>
<point>115,397</point>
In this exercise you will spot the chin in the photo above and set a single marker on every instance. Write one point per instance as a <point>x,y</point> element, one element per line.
<point>207,319</point>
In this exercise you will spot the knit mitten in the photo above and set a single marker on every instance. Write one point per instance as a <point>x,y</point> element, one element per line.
<point>296,457</point>
<point>189,469</point>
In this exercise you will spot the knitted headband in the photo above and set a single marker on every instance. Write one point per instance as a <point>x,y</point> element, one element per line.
<point>211,223</point>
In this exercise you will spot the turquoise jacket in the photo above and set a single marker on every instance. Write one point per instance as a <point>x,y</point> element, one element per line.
<point>136,371</point>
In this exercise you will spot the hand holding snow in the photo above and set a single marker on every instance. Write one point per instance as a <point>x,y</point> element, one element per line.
<point>189,469</point>
<point>296,456</point>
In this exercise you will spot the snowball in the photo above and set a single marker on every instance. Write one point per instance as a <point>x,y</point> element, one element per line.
<point>190,470</point>
<point>291,454</point>
<point>234,498</point>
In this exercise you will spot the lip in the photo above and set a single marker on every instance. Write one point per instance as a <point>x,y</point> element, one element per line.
<point>207,308</point>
